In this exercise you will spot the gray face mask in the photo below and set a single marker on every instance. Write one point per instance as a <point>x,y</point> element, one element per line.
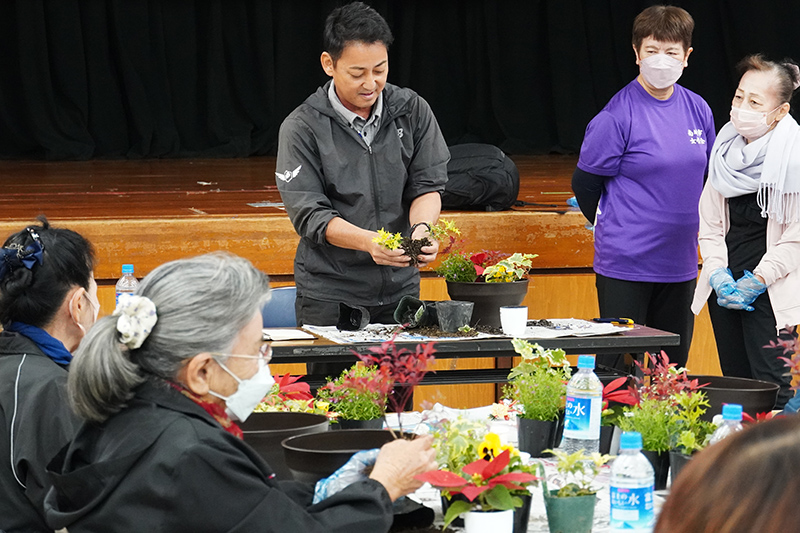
<point>248,395</point>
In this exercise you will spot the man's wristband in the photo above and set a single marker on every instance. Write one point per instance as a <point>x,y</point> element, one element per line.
<point>418,224</point>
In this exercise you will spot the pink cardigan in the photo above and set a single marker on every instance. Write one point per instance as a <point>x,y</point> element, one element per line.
<point>780,266</point>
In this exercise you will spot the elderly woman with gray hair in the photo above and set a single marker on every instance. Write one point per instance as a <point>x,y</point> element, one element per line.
<point>160,385</point>
<point>750,225</point>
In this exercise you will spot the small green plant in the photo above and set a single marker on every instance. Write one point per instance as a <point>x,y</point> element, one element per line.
<point>457,441</point>
<point>578,471</point>
<point>512,268</point>
<point>444,229</point>
<point>389,240</point>
<point>359,393</point>
<point>457,267</point>
<point>652,418</point>
<point>689,432</point>
<point>538,384</point>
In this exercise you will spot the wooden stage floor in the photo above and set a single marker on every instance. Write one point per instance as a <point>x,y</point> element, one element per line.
<point>148,212</point>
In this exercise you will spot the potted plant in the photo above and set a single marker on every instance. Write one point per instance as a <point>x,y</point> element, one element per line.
<point>357,398</point>
<point>651,416</point>
<point>570,508</point>
<point>689,432</point>
<point>615,398</point>
<point>289,409</point>
<point>538,386</point>
<point>492,487</point>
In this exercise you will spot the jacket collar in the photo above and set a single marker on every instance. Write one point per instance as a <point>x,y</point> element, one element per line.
<point>395,104</point>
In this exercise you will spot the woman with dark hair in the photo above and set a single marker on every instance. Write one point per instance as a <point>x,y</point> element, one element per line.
<point>162,384</point>
<point>639,179</point>
<point>759,463</point>
<point>750,225</point>
<point>48,300</point>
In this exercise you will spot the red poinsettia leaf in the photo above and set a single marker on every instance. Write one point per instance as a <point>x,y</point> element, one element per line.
<point>479,270</point>
<point>476,467</point>
<point>747,418</point>
<point>442,479</point>
<point>497,465</point>
<point>614,385</point>
<point>516,477</point>
<point>472,491</point>
<point>507,484</point>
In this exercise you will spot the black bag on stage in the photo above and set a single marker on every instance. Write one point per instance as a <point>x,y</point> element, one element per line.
<point>480,176</point>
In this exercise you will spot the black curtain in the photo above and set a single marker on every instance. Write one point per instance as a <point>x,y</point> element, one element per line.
<point>215,78</point>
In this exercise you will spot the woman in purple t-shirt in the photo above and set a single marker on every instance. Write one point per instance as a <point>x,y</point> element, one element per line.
<point>639,179</point>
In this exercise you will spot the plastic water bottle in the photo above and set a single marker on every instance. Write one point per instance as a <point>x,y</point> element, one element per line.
<point>583,410</point>
<point>731,422</point>
<point>632,482</point>
<point>127,283</point>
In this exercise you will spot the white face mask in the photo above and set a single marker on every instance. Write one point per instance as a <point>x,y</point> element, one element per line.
<point>750,124</point>
<point>660,70</point>
<point>248,395</point>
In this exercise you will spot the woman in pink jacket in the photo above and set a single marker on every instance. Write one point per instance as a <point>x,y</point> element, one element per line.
<point>750,225</point>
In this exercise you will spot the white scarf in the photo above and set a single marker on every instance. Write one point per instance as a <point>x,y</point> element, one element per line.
<point>769,165</point>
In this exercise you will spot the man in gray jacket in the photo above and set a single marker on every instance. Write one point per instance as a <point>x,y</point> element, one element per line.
<point>357,156</point>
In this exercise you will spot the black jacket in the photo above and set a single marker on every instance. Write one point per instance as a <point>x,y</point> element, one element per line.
<point>33,396</point>
<point>162,464</point>
<point>325,170</point>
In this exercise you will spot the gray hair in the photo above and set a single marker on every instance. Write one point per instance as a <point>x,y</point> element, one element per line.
<point>202,304</point>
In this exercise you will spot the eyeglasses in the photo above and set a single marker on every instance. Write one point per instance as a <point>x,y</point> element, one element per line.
<point>264,355</point>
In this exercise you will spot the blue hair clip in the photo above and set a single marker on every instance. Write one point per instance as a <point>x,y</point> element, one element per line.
<point>15,256</point>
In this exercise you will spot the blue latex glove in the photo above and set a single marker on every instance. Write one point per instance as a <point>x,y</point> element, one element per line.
<point>353,470</point>
<point>749,288</point>
<point>723,284</point>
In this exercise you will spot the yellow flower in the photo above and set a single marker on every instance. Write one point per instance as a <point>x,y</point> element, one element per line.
<point>490,447</point>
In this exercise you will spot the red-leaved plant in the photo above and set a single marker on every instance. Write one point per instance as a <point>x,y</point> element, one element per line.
<point>401,368</point>
<point>662,380</point>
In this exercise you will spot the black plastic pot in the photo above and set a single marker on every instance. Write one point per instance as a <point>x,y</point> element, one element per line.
<point>535,436</point>
<point>265,431</point>
<point>753,395</point>
<point>315,456</point>
<point>488,298</point>
<point>660,462</point>
<point>677,461</point>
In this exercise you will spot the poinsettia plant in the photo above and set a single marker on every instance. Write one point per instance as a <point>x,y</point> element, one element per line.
<point>494,482</point>
<point>290,394</point>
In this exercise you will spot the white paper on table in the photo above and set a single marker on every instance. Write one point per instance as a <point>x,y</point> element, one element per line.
<point>282,334</point>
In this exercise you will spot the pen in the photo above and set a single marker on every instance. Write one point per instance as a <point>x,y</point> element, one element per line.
<point>615,321</point>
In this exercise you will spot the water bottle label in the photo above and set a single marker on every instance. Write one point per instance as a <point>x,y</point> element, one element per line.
<point>582,418</point>
<point>632,508</point>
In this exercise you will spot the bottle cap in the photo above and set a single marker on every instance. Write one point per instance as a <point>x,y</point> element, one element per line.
<point>630,440</point>
<point>127,269</point>
<point>732,411</point>
<point>586,361</point>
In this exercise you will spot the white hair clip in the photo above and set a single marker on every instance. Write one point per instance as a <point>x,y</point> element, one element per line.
<point>137,316</point>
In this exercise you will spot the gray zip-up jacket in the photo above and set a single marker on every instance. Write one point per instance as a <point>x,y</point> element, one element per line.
<point>325,170</point>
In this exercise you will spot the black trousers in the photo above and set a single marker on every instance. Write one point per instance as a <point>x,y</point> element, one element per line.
<point>664,306</point>
<point>742,342</point>
<point>319,313</point>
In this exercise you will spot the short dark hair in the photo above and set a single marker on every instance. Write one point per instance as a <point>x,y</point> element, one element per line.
<point>354,22</point>
<point>760,462</point>
<point>668,24</point>
<point>786,71</point>
<point>34,295</point>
